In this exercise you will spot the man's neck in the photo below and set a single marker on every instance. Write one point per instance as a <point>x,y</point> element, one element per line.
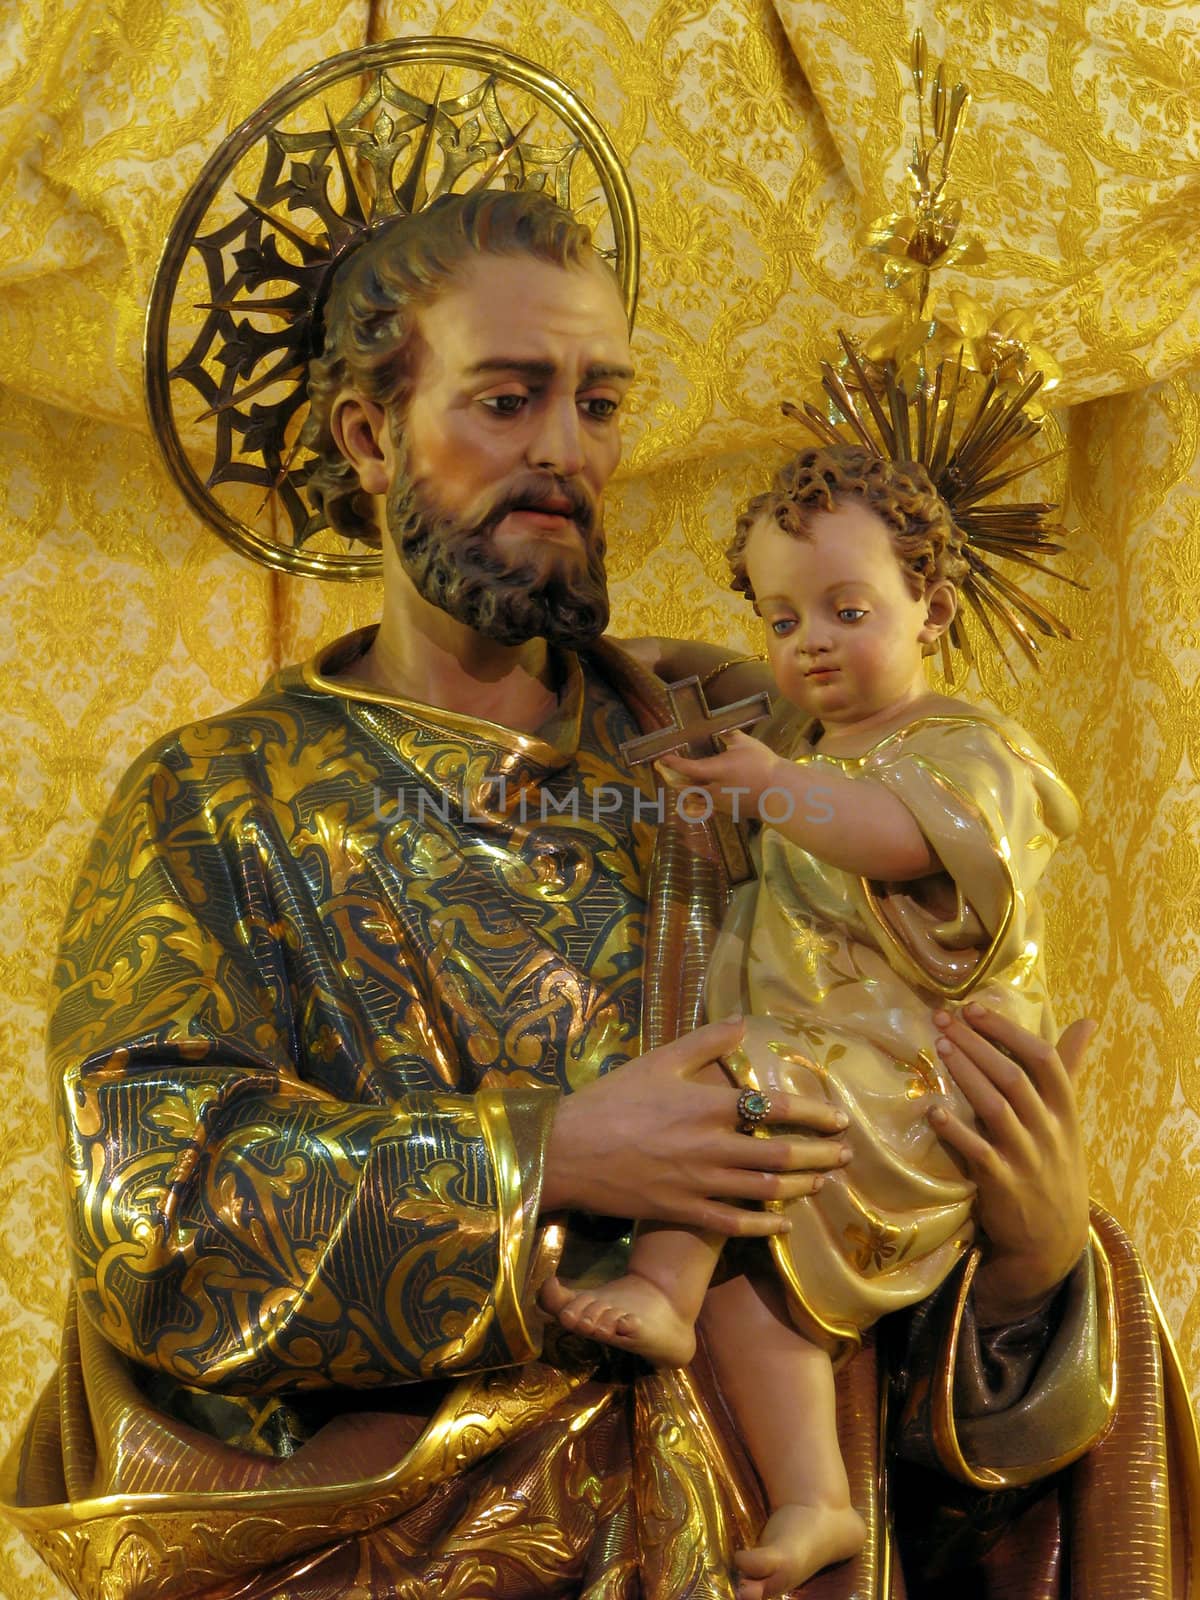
<point>443,663</point>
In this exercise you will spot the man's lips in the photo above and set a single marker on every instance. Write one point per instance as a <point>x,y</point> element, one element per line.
<point>554,518</point>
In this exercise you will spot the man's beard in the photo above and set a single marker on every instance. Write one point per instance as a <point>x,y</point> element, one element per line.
<point>457,567</point>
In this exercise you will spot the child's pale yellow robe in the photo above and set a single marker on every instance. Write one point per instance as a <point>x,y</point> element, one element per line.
<point>838,977</point>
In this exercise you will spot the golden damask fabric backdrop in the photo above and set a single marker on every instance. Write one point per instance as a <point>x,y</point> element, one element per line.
<point>761,139</point>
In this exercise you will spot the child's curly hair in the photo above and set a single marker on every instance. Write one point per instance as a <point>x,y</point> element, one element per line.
<point>900,493</point>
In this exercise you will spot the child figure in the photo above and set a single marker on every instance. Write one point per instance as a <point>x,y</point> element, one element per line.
<point>904,836</point>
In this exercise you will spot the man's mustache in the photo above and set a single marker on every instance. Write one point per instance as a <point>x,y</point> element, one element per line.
<point>552,496</point>
<point>506,595</point>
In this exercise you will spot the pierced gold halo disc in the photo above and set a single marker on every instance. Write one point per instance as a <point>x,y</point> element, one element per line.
<point>359,137</point>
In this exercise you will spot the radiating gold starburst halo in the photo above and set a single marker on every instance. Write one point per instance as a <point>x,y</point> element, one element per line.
<point>956,390</point>
<point>968,462</point>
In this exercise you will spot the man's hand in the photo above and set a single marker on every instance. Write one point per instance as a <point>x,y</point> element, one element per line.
<point>655,1140</point>
<point>1026,1156</point>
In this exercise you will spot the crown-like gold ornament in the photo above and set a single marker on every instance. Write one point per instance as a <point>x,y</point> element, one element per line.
<point>955,391</point>
<point>282,203</point>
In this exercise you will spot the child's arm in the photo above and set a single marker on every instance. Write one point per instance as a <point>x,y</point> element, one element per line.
<point>850,823</point>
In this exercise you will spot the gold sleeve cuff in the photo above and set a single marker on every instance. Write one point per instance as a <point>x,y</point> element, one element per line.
<point>516,1127</point>
<point>1065,1411</point>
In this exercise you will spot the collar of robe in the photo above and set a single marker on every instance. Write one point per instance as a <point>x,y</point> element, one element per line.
<point>482,766</point>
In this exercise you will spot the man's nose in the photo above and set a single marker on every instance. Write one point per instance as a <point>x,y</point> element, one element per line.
<point>557,443</point>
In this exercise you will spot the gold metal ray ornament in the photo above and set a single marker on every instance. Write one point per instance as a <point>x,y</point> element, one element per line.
<point>235,306</point>
<point>868,405</point>
<point>957,392</point>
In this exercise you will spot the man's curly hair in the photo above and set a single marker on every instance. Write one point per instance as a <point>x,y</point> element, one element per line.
<point>900,493</point>
<point>371,339</point>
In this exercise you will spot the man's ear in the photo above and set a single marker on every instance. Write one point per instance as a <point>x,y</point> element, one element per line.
<point>363,435</point>
<point>941,604</point>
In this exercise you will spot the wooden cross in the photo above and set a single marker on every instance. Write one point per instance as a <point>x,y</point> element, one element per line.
<point>694,727</point>
<point>695,732</point>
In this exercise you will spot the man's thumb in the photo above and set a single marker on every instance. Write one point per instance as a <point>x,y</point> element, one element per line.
<point>1073,1045</point>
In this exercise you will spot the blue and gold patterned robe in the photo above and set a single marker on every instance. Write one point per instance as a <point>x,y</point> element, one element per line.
<point>323,981</point>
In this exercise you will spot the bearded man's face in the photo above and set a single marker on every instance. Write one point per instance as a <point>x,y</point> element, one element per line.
<point>463,570</point>
<point>508,439</point>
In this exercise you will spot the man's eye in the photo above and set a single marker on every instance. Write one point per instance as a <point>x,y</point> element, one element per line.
<point>782,626</point>
<point>601,407</point>
<point>851,613</point>
<point>505,405</point>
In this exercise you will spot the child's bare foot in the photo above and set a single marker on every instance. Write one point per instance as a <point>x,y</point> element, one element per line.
<point>630,1312</point>
<point>797,1542</point>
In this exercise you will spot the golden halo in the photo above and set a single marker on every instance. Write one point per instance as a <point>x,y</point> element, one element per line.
<point>247,260</point>
<point>968,437</point>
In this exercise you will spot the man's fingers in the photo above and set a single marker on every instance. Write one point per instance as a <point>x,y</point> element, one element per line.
<point>735,1222</point>
<point>1037,1060</point>
<point>779,1154</point>
<point>780,1189</point>
<point>701,767</point>
<point>706,1044</point>
<point>1028,1097</point>
<point>694,1051</point>
<point>977,1153</point>
<point>803,1111</point>
<point>1073,1044</point>
<point>786,1110</point>
<point>715,1042</point>
<point>992,1090</point>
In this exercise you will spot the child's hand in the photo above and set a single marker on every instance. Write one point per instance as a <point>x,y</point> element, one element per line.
<point>736,779</point>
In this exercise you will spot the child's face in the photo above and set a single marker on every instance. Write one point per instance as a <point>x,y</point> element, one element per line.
<point>844,633</point>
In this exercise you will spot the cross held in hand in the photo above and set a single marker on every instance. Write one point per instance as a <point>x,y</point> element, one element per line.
<point>696,732</point>
<point>696,728</point>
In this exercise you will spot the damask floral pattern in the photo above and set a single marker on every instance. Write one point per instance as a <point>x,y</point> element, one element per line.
<point>761,140</point>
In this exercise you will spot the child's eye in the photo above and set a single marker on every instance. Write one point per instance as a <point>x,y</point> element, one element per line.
<point>782,626</point>
<point>850,613</point>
